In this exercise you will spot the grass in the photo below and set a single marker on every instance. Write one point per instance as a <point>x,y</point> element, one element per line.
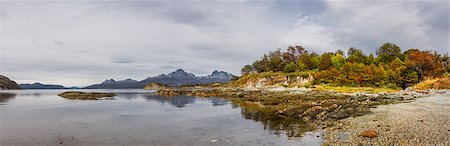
<point>344,89</point>
<point>436,83</point>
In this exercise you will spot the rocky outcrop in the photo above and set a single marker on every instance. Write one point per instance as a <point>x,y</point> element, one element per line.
<point>277,81</point>
<point>86,95</point>
<point>156,86</point>
<point>7,84</point>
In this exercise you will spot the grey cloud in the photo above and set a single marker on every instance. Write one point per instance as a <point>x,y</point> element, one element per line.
<point>205,46</point>
<point>80,43</point>
<point>124,59</point>
<point>167,67</point>
<point>58,42</point>
<point>184,15</point>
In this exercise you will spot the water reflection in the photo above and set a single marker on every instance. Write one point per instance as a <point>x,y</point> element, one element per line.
<point>177,101</point>
<point>129,96</point>
<point>5,97</point>
<point>271,121</point>
<point>218,101</point>
<point>275,123</point>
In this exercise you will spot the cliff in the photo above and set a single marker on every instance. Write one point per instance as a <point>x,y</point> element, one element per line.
<point>273,79</point>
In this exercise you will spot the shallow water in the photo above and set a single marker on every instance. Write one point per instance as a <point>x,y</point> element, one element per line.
<point>135,117</point>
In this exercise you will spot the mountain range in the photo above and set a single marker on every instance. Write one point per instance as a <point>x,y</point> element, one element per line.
<point>176,78</point>
<point>41,86</point>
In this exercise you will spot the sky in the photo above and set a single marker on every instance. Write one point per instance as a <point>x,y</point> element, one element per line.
<point>85,42</point>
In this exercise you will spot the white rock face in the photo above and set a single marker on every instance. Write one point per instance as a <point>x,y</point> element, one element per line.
<point>276,81</point>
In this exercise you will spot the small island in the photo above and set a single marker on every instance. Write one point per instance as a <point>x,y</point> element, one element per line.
<point>86,95</point>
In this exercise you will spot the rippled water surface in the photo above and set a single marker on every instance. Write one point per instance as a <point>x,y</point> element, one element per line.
<point>135,117</point>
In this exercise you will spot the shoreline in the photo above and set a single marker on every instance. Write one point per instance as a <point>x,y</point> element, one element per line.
<point>425,121</point>
<point>304,107</point>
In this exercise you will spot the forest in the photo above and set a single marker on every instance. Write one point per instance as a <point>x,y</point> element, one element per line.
<point>389,67</point>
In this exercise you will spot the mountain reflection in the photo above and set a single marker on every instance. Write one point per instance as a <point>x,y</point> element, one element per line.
<point>177,101</point>
<point>129,96</point>
<point>219,101</point>
<point>5,97</point>
<point>181,101</point>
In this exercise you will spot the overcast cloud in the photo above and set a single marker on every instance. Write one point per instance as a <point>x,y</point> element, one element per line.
<point>81,43</point>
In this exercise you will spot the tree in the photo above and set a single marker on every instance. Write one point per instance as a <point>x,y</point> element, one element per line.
<point>301,66</point>
<point>247,70</point>
<point>291,67</point>
<point>396,63</point>
<point>408,77</point>
<point>275,61</point>
<point>325,61</point>
<point>293,53</point>
<point>369,60</point>
<point>338,61</point>
<point>425,63</point>
<point>355,56</point>
<point>311,61</point>
<point>339,52</point>
<point>389,68</point>
<point>388,52</point>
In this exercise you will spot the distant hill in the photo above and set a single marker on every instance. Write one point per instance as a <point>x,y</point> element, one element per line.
<point>113,84</point>
<point>6,83</point>
<point>176,78</point>
<point>41,86</point>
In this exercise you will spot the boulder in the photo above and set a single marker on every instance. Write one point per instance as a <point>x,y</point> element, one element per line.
<point>369,133</point>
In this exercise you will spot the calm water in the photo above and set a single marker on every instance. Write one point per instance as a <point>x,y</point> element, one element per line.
<point>135,117</point>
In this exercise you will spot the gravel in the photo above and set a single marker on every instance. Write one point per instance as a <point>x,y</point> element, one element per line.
<point>425,121</point>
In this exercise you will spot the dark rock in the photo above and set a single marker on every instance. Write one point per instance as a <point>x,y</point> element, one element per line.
<point>6,83</point>
<point>342,113</point>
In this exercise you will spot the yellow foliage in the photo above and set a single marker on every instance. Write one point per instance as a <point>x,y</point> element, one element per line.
<point>437,83</point>
<point>344,89</point>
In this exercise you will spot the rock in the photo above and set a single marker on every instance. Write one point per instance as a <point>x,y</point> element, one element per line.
<point>86,95</point>
<point>409,97</point>
<point>369,133</point>
<point>408,89</point>
<point>155,86</point>
<point>440,91</point>
<point>167,92</point>
<point>6,83</point>
<point>306,119</point>
<point>342,113</point>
